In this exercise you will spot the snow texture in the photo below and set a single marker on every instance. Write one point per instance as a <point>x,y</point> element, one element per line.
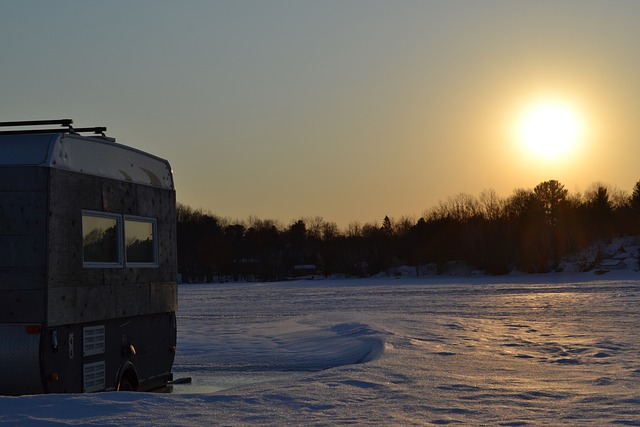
<point>518,350</point>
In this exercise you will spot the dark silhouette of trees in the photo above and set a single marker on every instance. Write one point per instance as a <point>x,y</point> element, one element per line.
<point>525,219</point>
<point>598,211</point>
<point>634,200</point>
<point>530,231</point>
<point>551,195</point>
<point>630,212</point>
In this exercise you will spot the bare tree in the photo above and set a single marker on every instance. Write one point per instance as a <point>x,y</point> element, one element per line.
<point>634,200</point>
<point>354,229</point>
<point>461,207</point>
<point>491,205</point>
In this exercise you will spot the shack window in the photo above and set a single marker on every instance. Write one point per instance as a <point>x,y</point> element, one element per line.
<point>140,241</point>
<point>101,239</point>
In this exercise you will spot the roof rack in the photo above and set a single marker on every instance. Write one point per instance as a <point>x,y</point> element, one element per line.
<point>65,123</point>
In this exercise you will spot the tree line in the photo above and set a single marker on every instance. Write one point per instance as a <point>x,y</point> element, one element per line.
<point>531,231</point>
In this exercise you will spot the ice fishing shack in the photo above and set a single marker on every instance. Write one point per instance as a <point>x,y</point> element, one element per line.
<point>88,289</point>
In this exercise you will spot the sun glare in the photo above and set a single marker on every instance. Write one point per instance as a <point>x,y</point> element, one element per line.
<point>549,129</point>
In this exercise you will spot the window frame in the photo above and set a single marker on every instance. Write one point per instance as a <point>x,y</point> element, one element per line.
<point>121,234</point>
<point>154,241</point>
<point>119,243</point>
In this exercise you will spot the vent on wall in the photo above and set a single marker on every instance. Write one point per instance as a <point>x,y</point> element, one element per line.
<point>92,340</point>
<point>93,376</point>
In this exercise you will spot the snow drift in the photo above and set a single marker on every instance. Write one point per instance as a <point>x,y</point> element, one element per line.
<point>558,349</point>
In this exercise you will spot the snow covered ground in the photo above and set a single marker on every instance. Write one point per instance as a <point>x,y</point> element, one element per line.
<point>520,350</point>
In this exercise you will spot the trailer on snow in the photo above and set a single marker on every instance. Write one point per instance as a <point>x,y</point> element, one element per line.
<point>88,289</point>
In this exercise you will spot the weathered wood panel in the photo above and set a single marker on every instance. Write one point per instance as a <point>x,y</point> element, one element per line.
<point>23,252</point>
<point>163,297</point>
<point>72,304</point>
<point>23,178</point>
<point>23,212</point>
<point>70,193</point>
<point>22,278</point>
<point>22,306</point>
<point>167,236</point>
<point>119,197</point>
<point>77,304</point>
<point>23,219</point>
<point>133,299</point>
<point>78,294</point>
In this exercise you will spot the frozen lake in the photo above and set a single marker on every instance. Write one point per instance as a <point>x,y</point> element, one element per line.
<point>443,350</point>
<point>511,351</point>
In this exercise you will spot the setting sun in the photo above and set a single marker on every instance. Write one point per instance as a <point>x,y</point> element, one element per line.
<point>549,129</point>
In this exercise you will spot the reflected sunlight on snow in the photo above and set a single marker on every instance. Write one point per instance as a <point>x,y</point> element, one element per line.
<point>510,350</point>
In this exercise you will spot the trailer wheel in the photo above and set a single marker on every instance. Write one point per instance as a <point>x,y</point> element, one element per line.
<point>128,382</point>
<point>125,385</point>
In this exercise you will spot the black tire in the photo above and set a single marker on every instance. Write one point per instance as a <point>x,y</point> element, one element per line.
<point>125,385</point>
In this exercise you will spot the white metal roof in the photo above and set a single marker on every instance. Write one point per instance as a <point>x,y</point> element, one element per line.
<point>90,155</point>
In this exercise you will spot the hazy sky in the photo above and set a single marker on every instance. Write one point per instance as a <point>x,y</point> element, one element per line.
<point>349,110</point>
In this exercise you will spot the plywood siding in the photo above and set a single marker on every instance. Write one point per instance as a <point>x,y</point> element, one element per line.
<point>22,306</point>
<point>23,219</point>
<point>78,294</point>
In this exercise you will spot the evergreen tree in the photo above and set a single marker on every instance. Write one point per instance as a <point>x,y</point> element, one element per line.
<point>551,194</point>
<point>387,229</point>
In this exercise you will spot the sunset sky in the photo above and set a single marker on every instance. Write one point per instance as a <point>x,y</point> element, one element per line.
<point>350,110</point>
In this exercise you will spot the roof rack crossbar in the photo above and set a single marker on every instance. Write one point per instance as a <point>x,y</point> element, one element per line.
<point>95,130</point>
<point>61,122</point>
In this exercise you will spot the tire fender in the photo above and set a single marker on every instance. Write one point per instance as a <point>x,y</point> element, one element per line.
<point>127,372</point>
